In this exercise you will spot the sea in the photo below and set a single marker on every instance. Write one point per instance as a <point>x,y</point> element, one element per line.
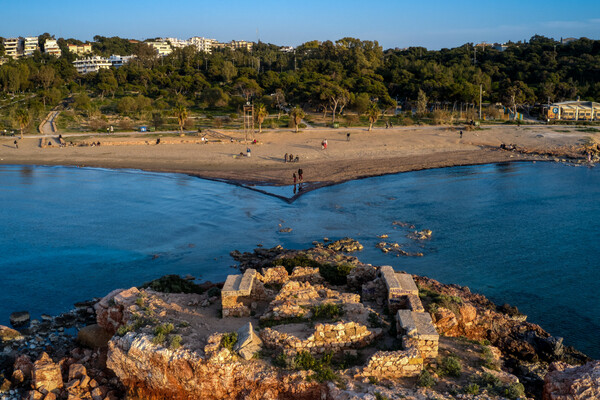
<point>520,233</point>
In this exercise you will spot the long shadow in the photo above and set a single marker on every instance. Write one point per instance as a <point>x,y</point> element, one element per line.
<point>9,146</point>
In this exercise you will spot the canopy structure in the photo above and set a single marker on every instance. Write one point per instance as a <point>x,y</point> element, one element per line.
<point>575,111</point>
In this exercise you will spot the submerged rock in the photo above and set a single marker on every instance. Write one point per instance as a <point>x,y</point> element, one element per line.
<point>19,318</point>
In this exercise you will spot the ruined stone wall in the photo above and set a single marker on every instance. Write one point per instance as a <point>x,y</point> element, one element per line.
<point>326,337</point>
<point>394,364</point>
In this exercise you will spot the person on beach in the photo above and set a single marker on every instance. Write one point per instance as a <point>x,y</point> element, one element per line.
<point>348,137</point>
<point>300,174</point>
<point>285,158</point>
<point>461,134</point>
<point>297,159</point>
<point>294,176</point>
<point>291,157</point>
<point>322,145</point>
<point>248,152</point>
<point>325,143</point>
<point>16,145</point>
<point>158,141</point>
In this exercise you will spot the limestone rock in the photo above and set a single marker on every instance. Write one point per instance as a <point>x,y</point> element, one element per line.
<point>565,382</point>
<point>248,342</point>
<point>46,374</point>
<point>22,369</point>
<point>445,321</point>
<point>19,318</point>
<point>7,334</point>
<point>93,336</point>
<point>109,310</point>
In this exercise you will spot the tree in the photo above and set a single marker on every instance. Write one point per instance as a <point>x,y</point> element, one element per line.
<point>361,103</point>
<point>373,114</point>
<point>22,117</point>
<point>181,113</point>
<point>157,120</point>
<point>247,87</point>
<point>421,103</point>
<point>279,99</point>
<point>297,115</point>
<point>228,72</point>
<point>261,114</point>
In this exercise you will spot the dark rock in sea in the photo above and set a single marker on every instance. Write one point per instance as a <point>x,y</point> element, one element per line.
<point>19,318</point>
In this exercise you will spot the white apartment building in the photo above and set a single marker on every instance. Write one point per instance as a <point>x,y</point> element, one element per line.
<point>91,64</point>
<point>30,44</point>
<point>12,47</point>
<point>162,48</point>
<point>202,44</point>
<point>51,47</point>
<point>240,44</point>
<point>176,43</point>
<point>118,61</point>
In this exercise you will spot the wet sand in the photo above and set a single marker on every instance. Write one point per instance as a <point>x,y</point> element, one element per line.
<point>381,151</point>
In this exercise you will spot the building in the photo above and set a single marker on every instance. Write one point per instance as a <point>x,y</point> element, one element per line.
<point>13,47</point>
<point>574,111</point>
<point>500,47</point>
<point>80,50</point>
<point>30,44</point>
<point>202,44</point>
<point>118,61</point>
<point>51,47</point>
<point>162,48</point>
<point>176,43</point>
<point>567,40</point>
<point>287,49</point>
<point>240,44</point>
<point>91,64</point>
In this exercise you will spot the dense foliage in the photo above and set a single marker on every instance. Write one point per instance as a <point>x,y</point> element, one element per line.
<point>328,77</point>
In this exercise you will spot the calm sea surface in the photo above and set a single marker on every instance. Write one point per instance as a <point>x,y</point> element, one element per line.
<point>525,234</point>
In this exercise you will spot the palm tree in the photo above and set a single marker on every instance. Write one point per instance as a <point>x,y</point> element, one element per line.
<point>373,114</point>
<point>181,113</point>
<point>22,117</point>
<point>297,115</point>
<point>261,114</point>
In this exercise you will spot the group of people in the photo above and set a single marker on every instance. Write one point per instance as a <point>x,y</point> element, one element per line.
<point>290,158</point>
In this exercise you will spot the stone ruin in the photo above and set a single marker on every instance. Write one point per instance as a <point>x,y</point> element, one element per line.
<point>295,296</point>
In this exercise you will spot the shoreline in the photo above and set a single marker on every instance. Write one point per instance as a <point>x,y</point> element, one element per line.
<point>368,154</point>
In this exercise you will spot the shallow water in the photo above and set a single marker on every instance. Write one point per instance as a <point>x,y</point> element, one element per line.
<point>520,233</point>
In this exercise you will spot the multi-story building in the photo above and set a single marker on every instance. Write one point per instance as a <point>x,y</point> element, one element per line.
<point>51,47</point>
<point>241,44</point>
<point>30,44</point>
<point>176,43</point>
<point>287,49</point>
<point>91,64</point>
<point>202,44</point>
<point>162,48</point>
<point>13,47</point>
<point>118,61</point>
<point>80,50</point>
<point>574,111</point>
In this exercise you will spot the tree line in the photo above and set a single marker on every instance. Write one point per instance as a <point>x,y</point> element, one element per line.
<point>328,77</point>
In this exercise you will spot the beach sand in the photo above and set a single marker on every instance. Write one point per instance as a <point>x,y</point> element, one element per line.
<point>381,151</point>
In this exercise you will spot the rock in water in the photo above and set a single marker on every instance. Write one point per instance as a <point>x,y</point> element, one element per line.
<point>19,318</point>
<point>7,334</point>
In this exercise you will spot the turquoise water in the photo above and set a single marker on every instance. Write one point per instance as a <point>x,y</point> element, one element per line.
<point>520,233</point>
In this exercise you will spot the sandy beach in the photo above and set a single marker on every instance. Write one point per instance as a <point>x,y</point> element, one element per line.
<point>381,151</point>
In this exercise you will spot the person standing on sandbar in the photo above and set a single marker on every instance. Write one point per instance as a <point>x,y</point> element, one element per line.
<point>300,174</point>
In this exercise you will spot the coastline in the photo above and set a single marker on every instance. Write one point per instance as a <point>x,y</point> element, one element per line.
<point>367,154</point>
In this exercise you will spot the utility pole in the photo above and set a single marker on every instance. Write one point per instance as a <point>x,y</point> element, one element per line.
<point>474,54</point>
<point>480,99</point>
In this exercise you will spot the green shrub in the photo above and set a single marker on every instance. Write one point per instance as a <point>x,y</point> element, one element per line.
<point>229,340</point>
<point>213,291</point>
<point>336,274</point>
<point>269,322</point>
<point>425,379</point>
<point>301,260</point>
<point>374,320</point>
<point>175,342</point>
<point>379,396</point>
<point>514,391</point>
<point>161,332</point>
<point>327,311</point>
<point>472,388</point>
<point>172,284</point>
<point>488,359</point>
<point>450,366</point>
<point>281,360</point>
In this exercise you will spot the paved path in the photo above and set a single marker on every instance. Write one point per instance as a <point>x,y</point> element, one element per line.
<point>47,128</point>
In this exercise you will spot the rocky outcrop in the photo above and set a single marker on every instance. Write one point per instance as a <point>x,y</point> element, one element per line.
<point>152,373</point>
<point>46,375</point>
<point>566,382</point>
<point>110,310</point>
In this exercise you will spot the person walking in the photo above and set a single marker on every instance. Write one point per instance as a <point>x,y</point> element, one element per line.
<point>285,158</point>
<point>322,145</point>
<point>461,134</point>
<point>294,176</point>
<point>348,137</point>
<point>325,144</point>
<point>300,178</point>
<point>16,145</point>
